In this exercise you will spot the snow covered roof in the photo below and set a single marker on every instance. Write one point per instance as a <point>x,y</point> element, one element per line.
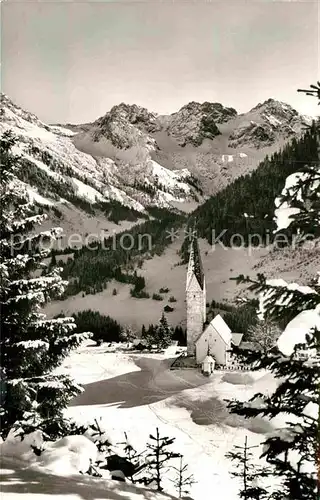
<point>236,338</point>
<point>220,327</point>
<point>208,359</point>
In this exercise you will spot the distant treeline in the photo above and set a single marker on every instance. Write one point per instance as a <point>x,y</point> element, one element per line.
<point>106,329</point>
<point>179,334</point>
<point>238,317</point>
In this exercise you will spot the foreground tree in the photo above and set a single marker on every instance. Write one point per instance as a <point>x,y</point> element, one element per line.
<point>292,449</point>
<point>183,480</point>
<point>249,473</point>
<point>32,346</point>
<point>157,458</point>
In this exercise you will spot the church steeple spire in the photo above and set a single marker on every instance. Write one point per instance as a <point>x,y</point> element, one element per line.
<point>195,263</point>
<point>195,296</point>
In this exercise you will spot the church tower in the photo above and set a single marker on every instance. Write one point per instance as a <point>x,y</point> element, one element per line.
<point>196,298</point>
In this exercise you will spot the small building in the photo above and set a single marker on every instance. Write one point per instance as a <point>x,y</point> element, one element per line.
<point>216,339</point>
<point>208,365</point>
<point>228,158</point>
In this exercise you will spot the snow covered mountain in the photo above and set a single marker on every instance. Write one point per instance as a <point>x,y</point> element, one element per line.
<point>137,158</point>
<point>57,171</point>
<point>266,123</point>
<point>210,140</point>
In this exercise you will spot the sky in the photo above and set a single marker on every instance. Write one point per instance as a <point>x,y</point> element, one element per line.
<point>71,61</point>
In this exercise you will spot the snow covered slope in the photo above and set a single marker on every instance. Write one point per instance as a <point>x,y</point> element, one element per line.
<point>19,481</point>
<point>57,170</point>
<point>182,403</point>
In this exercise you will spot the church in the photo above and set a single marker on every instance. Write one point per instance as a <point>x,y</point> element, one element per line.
<point>205,339</point>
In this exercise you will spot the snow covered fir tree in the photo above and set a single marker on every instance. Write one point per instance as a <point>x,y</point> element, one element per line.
<point>32,346</point>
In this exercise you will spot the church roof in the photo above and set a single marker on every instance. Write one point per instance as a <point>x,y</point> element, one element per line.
<point>195,262</point>
<point>221,328</point>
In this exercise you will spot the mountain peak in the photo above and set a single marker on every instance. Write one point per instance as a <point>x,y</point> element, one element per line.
<point>267,123</point>
<point>129,120</point>
<point>130,110</point>
<point>222,113</point>
<point>275,106</point>
<point>11,112</point>
<point>196,121</point>
<point>54,169</point>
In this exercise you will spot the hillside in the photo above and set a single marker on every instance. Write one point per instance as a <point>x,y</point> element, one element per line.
<point>246,207</point>
<point>19,481</point>
<point>135,393</point>
<point>165,271</point>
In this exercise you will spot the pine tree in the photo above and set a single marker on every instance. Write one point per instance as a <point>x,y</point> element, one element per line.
<point>98,435</point>
<point>293,450</point>
<point>159,335</point>
<point>143,332</point>
<point>183,479</point>
<point>180,335</point>
<point>314,90</point>
<point>148,336</point>
<point>164,333</point>
<point>158,457</point>
<point>135,458</point>
<point>248,472</point>
<point>32,346</point>
<point>129,449</point>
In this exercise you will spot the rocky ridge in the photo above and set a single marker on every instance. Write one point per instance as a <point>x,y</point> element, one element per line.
<point>58,172</point>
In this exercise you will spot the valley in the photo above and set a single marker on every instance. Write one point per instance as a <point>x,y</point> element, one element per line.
<point>102,178</point>
<point>131,174</point>
<point>138,159</point>
<point>220,266</point>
